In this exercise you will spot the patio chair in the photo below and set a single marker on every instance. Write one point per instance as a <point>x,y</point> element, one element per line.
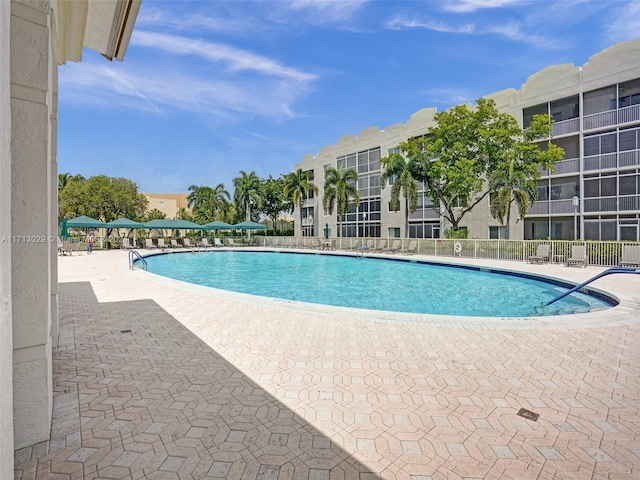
<point>542,254</point>
<point>578,256</point>
<point>175,244</point>
<point>126,244</point>
<point>186,243</point>
<point>161,244</point>
<point>204,243</point>
<point>230,242</point>
<point>630,256</point>
<point>412,248</point>
<point>217,242</point>
<point>382,245</point>
<point>395,246</point>
<point>149,243</point>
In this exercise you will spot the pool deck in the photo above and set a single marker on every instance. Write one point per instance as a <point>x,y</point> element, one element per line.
<point>157,379</point>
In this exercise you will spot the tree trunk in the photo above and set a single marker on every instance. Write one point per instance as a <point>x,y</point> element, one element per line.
<point>406,218</point>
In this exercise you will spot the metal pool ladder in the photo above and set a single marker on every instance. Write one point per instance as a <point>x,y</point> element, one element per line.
<point>133,255</point>
<point>609,271</point>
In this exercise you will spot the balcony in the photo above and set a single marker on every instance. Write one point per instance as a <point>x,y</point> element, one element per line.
<point>566,126</point>
<point>601,162</point>
<point>602,204</point>
<point>630,158</point>
<point>612,117</point>
<point>629,202</point>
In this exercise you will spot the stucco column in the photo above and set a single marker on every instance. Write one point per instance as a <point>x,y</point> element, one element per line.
<point>6,340</point>
<point>31,78</point>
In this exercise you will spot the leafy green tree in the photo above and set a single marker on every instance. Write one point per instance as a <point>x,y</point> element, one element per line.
<point>274,201</point>
<point>339,190</point>
<point>248,193</point>
<point>207,203</point>
<point>457,156</point>
<point>185,214</point>
<point>104,198</point>
<point>297,186</point>
<point>396,166</point>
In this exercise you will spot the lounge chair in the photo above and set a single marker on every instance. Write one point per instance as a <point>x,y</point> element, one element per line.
<point>204,243</point>
<point>395,246</point>
<point>542,254</point>
<point>578,256</point>
<point>126,244</point>
<point>630,256</point>
<point>67,248</point>
<point>161,244</point>
<point>217,242</point>
<point>175,244</point>
<point>149,243</point>
<point>186,243</point>
<point>382,245</point>
<point>412,248</point>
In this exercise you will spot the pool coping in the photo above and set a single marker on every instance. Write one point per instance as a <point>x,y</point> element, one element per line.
<point>625,313</point>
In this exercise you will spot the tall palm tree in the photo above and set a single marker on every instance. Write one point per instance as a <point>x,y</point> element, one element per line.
<point>339,188</point>
<point>508,186</point>
<point>207,202</point>
<point>248,192</point>
<point>297,187</point>
<point>395,165</point>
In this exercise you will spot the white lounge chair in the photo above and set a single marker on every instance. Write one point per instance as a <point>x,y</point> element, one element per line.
<point>382,245</point>
<point>217,242</point>
<point>175,244</point>
<point>204,243</point>
<point>412,248</point>
<point>149,243</point>
<point>395,246</point>
<point>161,244</point>
<point>126,244</point>
<point>542,254</point>
<point>630,256</point>
<point>578,256</point>
<point>186,243</point>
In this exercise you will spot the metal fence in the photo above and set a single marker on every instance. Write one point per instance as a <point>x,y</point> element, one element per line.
<point>604,254</point>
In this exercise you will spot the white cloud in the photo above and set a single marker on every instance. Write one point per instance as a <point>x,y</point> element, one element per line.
<point>627,29</point>
<point>235,59</point>
<point>326,11</point>
<point>401,23</point>
<point>467,6</point>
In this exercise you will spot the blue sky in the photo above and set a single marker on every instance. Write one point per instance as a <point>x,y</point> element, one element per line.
<point>209,88</point>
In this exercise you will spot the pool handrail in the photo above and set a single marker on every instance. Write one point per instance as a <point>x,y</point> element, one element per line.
<point>132,258</point>
<point>609,271</point>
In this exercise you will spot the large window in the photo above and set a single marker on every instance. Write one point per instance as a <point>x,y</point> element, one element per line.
<point>629,139</point>
<point>604,186</point>
<point>565,109</point>
<point>629,93</point>
<point>600,144</point>
<point>570,145</point>
<point>564,188</point>
<point>601,100</point>
<point>497,232</point>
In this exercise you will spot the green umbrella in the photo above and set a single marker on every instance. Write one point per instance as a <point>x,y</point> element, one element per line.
<point>125,223</point>
<point>85,222</point>
<point>217,225</point>
<point>249,225</point>
<point>64,229</point>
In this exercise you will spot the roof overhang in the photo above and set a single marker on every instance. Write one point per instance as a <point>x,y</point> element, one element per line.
<point>102,25</point>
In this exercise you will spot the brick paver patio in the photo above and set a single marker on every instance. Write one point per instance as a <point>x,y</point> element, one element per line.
<point>156,379</point>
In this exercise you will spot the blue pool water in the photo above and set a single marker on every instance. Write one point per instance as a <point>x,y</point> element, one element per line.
<point>370,283</point>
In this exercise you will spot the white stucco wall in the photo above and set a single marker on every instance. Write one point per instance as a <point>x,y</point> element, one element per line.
<point>6,339</point>
<point>31,69</point>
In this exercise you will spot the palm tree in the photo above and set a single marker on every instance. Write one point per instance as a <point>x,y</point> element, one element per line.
<point>207,202</point>
<point>297,187</point>
<point>339,189</point>
<point>248,192</point>
<point>509,186</point>
<point>395,165</point>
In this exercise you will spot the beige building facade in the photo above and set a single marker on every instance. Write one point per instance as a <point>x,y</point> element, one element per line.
<point>168,203</point>
<point>596,109</point>
<point>36,37</point>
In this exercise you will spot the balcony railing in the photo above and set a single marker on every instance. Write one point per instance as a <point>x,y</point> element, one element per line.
<point>629,158</point>
<point>566,126</point>
<point>553,207</point>
<point>612,117</point>
<point>629,202</point>
<point>601,204</point>
<point>601,162</point>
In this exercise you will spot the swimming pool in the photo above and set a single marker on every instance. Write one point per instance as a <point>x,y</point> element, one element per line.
<point>373,283</point>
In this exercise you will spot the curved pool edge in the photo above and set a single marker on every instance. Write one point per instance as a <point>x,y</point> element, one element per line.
<point>626,312</point>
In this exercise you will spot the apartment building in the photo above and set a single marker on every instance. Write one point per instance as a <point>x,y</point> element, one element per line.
<point>593,193</point>
<point>168,203</point>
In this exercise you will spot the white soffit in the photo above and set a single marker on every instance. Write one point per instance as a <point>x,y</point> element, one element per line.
<point>102,25</point>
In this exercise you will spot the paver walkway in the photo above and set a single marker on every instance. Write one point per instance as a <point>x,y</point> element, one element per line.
<point>158,380</point>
